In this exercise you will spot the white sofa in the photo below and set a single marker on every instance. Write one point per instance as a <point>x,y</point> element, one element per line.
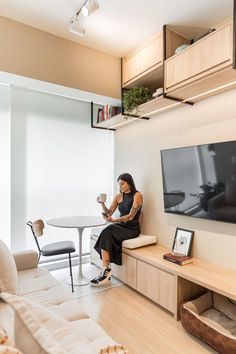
<point>42,316</point>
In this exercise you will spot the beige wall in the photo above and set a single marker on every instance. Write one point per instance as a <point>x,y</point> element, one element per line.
<point>138,151</point>
<point>39,55</point>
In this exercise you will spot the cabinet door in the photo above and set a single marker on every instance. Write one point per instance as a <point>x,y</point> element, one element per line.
<point>148,280</point>
<point>200,59</point>
<point>144,59</point>
<point>126,272</point>
<point>157,285</point>
<point>167,291</point>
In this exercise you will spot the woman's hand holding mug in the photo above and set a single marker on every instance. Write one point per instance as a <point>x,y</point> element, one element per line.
<point>102,198</point>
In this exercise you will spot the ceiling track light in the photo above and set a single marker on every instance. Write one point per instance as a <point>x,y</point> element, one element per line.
<point>86,9</point>
<point>89,6</point>
<point>75,28</point>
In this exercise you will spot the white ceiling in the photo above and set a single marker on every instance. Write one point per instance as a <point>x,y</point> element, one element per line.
<point>118,26</point>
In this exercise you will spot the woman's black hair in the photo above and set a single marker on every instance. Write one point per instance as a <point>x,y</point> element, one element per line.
<point>129,179</point>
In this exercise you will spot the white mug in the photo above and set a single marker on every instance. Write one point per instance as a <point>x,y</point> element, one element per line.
<point>102,198</point>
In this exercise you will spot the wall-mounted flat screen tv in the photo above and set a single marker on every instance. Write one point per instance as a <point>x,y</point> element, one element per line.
<point>200,181</point>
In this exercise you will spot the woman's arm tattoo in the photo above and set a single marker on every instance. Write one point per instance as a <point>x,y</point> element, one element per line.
<point>106,210</point>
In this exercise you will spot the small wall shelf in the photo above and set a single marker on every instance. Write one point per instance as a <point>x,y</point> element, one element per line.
<point>145,111</point>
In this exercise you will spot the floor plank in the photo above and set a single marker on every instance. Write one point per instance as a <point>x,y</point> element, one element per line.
<point>140,324</point>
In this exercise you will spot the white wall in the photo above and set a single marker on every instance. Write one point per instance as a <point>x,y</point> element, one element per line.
<point>137,150</point>
<point>5,186</point>
<point>59,164</point>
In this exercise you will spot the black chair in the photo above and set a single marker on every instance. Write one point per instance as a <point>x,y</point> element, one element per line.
<point>54,248</point>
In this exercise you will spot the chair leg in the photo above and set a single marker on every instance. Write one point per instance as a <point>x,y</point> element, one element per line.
<point>71,275</point>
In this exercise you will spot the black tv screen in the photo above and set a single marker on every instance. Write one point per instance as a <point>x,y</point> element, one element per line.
<point>200,181</point>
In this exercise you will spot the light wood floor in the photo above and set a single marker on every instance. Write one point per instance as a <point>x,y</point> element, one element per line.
<point>145,328</point>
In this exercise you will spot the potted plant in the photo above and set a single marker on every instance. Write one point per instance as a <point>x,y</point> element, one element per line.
<point>134,97</point>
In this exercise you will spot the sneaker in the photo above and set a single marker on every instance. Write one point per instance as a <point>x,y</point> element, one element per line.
<point>103,278</point>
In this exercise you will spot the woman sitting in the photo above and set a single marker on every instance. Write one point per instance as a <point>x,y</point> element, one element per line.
<point>109,244</point>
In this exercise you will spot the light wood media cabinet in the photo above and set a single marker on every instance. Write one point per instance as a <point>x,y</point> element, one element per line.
<point>169,284</point>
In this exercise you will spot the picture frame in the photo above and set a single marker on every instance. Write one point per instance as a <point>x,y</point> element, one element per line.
<point>182,242</point>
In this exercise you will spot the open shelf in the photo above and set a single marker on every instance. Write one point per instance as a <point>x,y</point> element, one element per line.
<point>146,110</point>
<point>112,122</point>
<point>151,78</point>
<point>156,105</point>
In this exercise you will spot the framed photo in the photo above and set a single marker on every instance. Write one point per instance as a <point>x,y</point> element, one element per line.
<point>182,242</point>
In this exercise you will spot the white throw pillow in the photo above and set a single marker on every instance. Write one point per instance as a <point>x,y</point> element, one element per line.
<point>8,271</point>
<point>39,330</point>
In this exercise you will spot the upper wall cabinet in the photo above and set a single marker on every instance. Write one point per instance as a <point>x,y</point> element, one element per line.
<point>200,69</point>
<point>145,65</point>
<point>147,58</point>
<point>204,68</point>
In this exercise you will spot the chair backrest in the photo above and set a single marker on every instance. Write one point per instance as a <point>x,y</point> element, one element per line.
<point>37,230</point>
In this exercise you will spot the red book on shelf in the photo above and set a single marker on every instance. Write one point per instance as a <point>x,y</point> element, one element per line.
<point>106,112</point>
<point>178,259</point>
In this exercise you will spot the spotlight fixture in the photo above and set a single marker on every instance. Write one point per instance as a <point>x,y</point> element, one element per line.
<point>86,9</point>
<point>89,7</point>
<point>75,28</point>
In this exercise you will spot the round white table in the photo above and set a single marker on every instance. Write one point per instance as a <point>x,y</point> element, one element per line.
<point>79,223</point>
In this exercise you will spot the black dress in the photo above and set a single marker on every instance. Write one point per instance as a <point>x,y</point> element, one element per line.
<point>112,236</point>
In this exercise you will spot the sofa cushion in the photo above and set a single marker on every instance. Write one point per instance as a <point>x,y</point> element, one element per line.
<point>35,280</point>
<point>26,259</point>
<point>38,330</point>
<point>71,310</point>
<point>40,286</point>
<point>8,271</point>
<point>140,241</point>
<point>93,332</point>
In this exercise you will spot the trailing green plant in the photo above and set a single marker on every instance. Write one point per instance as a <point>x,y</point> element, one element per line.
<point>134,97</point>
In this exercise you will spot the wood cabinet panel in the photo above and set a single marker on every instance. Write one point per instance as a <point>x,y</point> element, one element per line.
<point>148,280</point>
<point>206,54</point>
<point>144,59</point>
<point>156,284</point>
<point>126,272</point>
<point>130,68</point>
<point>167,291</point>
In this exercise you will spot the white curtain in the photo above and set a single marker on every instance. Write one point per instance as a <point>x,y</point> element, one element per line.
<point>59,164</point>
